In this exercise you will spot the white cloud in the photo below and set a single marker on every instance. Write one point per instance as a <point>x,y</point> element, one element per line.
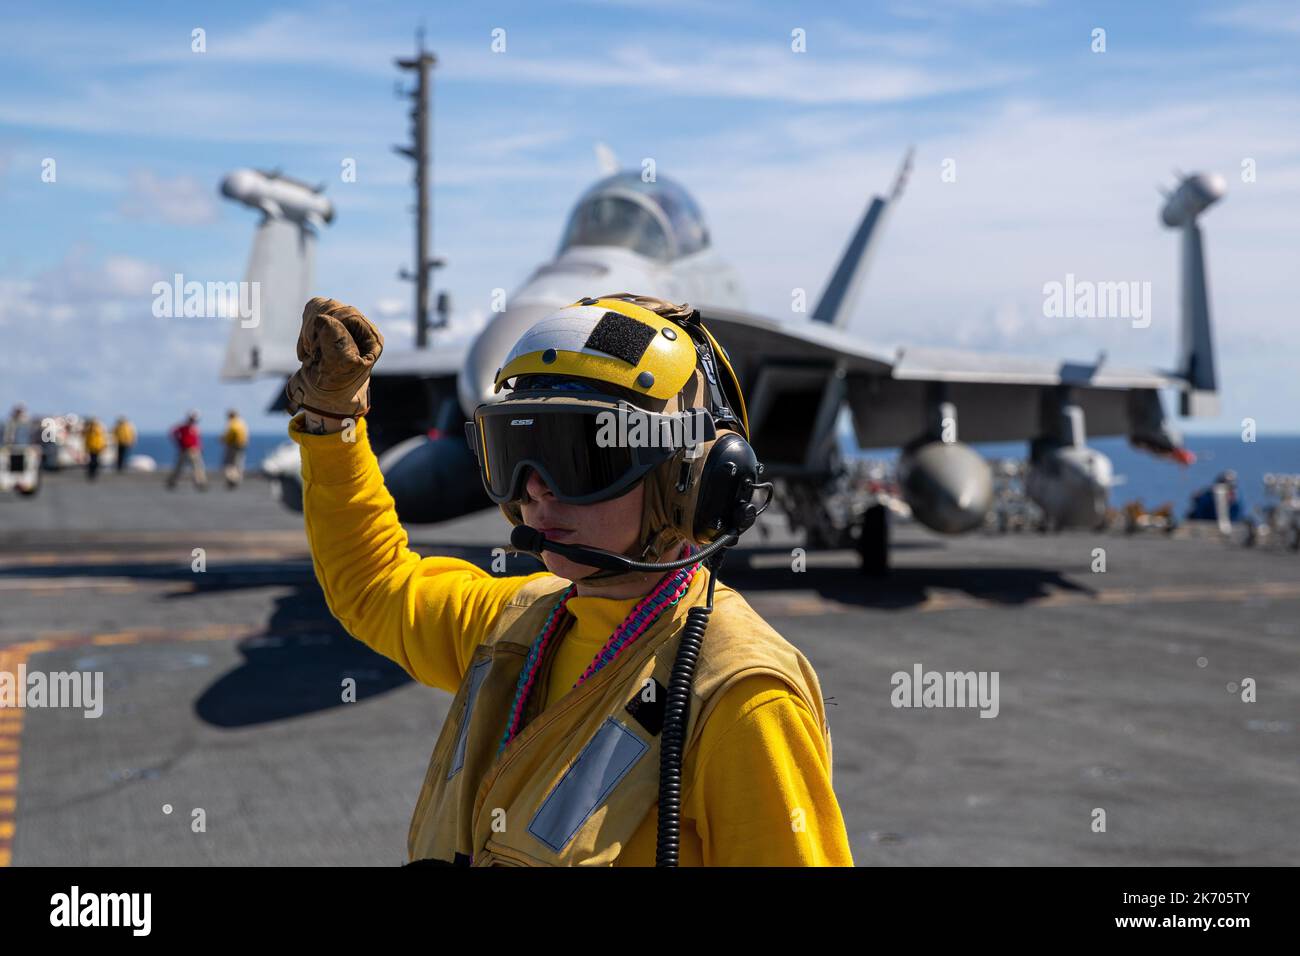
<point>218,97</point>
<point>391,308</point>
<point>88,342</point>
<point>735,71</point>
<point>179,201</point>
<point>1266,17</point>
<point>78,287</point>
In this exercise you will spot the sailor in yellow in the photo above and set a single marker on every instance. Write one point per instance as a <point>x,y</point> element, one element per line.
<point>234,443</point>
<point>579,734</point>
<point>95,440</point>
<point>124,435</point>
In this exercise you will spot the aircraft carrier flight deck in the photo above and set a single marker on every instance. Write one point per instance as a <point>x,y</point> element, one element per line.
<point>1121,690</point>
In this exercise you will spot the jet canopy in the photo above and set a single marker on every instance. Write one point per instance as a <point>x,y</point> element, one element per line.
<point>657,219</point>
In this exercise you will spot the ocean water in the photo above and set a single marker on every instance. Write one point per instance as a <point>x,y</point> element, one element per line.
<point>1155,481</point>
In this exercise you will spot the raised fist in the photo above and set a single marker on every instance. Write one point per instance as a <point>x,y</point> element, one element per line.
<point>338,346</point>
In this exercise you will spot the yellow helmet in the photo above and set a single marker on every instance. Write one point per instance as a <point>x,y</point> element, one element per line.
<point>574,373</point>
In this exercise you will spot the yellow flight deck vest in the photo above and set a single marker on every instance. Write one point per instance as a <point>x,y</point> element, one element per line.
<point>579,777</point>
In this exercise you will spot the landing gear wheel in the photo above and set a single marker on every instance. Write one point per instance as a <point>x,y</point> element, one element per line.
<point>873,541</point>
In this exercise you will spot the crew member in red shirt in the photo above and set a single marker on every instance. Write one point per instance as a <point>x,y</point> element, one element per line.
<point>189,451</point>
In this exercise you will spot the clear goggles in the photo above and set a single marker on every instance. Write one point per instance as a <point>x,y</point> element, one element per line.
<point>586,451</point>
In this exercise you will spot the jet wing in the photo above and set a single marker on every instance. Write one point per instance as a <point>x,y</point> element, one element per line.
<point>797,374</point>
<point>951,365</point>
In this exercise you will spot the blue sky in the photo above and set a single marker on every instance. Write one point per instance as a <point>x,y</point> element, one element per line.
<point>1058,152</point>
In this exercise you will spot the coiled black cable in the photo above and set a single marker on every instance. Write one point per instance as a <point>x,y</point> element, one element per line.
<point>672,740</point>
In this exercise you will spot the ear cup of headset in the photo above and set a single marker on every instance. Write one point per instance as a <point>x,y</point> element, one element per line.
<point>725,499</point>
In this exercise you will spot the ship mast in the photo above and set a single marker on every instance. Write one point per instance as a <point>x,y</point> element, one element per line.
<point>419,151</point>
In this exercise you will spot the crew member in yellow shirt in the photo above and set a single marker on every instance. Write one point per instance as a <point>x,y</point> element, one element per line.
<point>234,442</point>
<point>124,435</point>
<point>95,439</point>
<point>624,707</point>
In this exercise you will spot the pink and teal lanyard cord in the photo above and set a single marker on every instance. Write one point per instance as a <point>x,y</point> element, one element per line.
<point>670,589</point>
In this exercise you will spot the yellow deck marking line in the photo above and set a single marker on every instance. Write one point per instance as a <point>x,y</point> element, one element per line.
<point>11,728</point>
<point>11,742</point>
<point>38,646</point>
<point>127,538</point>
<point>46,559</point>
<point>69,584</point>
<point>125,637</point>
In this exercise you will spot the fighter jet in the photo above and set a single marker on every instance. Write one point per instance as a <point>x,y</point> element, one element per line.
<point>930,403</point>
<point>629,234</point>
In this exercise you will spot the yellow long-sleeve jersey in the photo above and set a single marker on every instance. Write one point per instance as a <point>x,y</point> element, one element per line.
<point>236,434</point>
<point>95,438</point>
<point>762,792</point>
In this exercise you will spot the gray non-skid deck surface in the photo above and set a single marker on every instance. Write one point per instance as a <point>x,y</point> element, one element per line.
<point>222,690</point>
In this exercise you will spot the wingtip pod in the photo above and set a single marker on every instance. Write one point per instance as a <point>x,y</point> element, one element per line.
<point>278,196</point>
<point>1192,196</point>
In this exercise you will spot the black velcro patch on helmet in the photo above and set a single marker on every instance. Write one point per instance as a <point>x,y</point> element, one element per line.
<point>617,335</point>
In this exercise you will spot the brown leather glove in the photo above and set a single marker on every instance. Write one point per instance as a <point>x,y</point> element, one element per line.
<point>337,346</point>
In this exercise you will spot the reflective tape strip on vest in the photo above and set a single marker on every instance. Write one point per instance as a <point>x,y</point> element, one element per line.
<point>580,777</point>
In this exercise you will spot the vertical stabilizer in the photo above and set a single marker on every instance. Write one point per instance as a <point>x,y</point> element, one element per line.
<point>280,271</point>
<point>841,292</point>
<point>280,268</point>
<point>1196,343</point>
<point>1196,365</point>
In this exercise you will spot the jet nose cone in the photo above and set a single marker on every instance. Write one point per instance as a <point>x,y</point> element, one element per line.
<point>1209,188</point>
<point>1212,185</point>
<point>476,383</point>
<point>239,184</point>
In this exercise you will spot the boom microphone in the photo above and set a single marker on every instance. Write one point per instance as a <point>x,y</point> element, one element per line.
<point>530,540</point>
